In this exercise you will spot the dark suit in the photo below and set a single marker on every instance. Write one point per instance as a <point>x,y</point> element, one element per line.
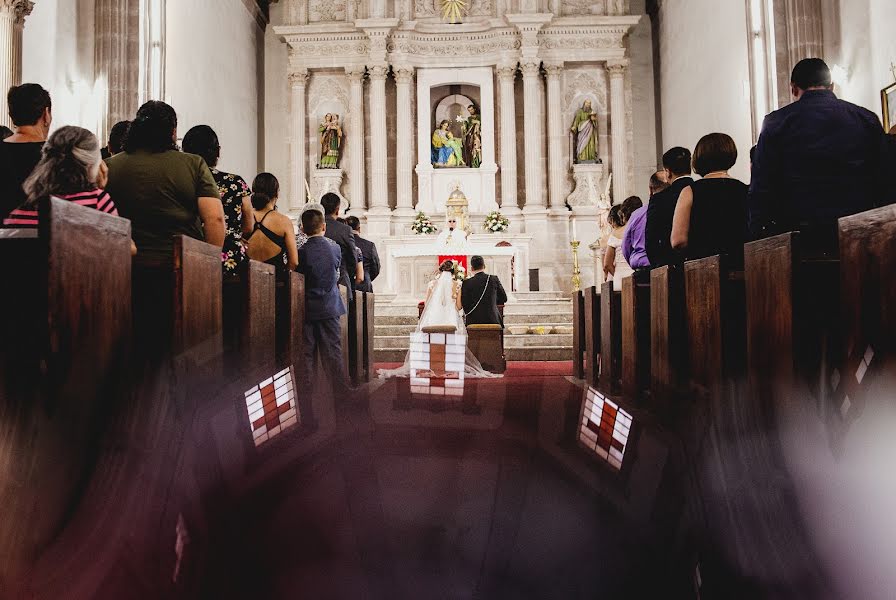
<point>489,289</point>
<point>817,159</point>
<point>371,262</point>
<point>342,234</point>
<point>658,230</point>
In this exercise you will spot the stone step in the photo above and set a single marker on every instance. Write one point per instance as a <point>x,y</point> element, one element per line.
<point>531,353</point>
<point>514,307</point>
<point>555,318</point>
<point>391,342</point>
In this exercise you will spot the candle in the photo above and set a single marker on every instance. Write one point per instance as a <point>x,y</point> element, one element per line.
<point>308,191</point>
<point>574,236</point>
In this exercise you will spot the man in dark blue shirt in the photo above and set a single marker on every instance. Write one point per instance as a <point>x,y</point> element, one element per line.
<point>370,256</point>
<point>352,270</point>
<point>319,261</point>
<point>817,160</point>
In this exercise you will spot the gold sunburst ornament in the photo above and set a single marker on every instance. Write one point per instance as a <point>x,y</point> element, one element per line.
<point>453,10</point>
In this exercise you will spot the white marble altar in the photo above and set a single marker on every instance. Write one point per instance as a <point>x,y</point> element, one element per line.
<point>386,67</point>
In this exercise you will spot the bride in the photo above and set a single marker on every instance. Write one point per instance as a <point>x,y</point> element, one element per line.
<point>442,314</point>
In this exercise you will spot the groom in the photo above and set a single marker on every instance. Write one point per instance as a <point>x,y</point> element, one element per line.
<point>481,294</point>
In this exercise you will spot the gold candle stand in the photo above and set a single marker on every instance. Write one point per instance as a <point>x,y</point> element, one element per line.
<point>576,272</point>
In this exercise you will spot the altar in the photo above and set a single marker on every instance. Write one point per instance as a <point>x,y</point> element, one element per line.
<point>411,262</point>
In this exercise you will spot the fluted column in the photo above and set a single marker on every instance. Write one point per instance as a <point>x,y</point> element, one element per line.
<point>298,143</point>
<point>12,22</point>
<point>506,76</point>
<point>618,137</point>
<point>357,177</point>
<point>379,163</point>
<point>404,135</point>
<point>533,128</point>
<point>556,136</point>
<point>117,56</point>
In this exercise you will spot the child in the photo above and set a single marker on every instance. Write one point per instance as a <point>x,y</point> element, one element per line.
<point>319,260</point>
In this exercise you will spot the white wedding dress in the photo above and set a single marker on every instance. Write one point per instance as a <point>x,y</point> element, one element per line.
<point>441,311</point>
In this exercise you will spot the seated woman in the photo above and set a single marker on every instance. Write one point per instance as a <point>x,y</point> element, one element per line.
<point>711,214</point>
<point>442,314</point>
<point>447,151</point>
<point>615,266</point>
<point>70,168</point>
<point>271,234</point>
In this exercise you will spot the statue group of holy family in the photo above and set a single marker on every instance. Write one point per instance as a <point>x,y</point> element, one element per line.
<point>466,151</point>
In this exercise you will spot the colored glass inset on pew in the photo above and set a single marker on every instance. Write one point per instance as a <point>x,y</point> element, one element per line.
<point>271,406</point>
<point>605,428</point>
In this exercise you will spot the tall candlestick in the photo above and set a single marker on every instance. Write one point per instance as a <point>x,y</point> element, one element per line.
<point>576,272</point>
<point>574,236</point>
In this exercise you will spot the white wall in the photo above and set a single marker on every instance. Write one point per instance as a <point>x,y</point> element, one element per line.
<point>704,75</point>
<point>861,40</point>
<point>57,53</point>
<point>212,76</point>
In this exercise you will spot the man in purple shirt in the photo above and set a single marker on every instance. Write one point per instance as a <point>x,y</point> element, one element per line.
<point>634,248</point>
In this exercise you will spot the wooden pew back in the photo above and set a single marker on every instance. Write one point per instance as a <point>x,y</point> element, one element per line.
<point>667,335</point>
<point>592,333</point>
<point>578,334</point>
<point>635,337</point>
<point>611,340</point>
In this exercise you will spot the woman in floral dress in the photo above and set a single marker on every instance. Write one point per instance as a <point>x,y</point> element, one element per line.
<point>235,194</point>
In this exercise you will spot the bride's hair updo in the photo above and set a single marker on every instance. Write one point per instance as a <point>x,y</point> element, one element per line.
<point>447,265</point>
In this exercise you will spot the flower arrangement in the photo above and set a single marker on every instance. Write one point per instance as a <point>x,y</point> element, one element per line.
<point>460,273</point>
<point>422,224</point>
<point>495,222</point>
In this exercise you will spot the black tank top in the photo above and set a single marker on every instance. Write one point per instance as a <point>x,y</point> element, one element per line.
<point>279,260</point>
<point>718,219</point>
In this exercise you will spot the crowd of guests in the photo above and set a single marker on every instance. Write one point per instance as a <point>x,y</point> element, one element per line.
<point>817,159</point>
<point>141,174</point>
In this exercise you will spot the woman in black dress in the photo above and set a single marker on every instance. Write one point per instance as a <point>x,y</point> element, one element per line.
<point>711,214</point>
<point>30,109</point>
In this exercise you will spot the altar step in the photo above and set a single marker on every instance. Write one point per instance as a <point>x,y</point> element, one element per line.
<point>405,329</point>
<point>533,354</point>
<point>509,319</point>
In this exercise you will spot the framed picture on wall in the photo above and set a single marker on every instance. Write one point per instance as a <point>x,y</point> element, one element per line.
<point>888,102</point>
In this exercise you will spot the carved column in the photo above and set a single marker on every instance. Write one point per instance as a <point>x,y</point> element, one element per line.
<point>379,163</point>
<point>799,34</point>
<point>509,204</point>
<point>12,22</point>
<point>298,144</point>
<point>533,127</point>
<point>556,135</point>
<point>618,138</point>
<point>404,135</point>
<point>117,57</point>
<point>357,176</point>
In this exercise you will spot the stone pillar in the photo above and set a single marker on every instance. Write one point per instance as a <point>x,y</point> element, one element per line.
<point>379,163</point>
<point>298,143</point>
<point>355,126</point>
<point>533,127</point>
<point>618,137</point>
<point>509,202</point>
<point>556,135</point>
<point>799,33</point>
<point>117,57</point>
<point>404,137</point>
<point>12,22</point>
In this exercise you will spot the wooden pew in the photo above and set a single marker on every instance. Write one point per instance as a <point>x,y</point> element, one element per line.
<point>578,335</point>
<point>250,306</point>
<point>68,309</point>
<point>290,327</point>
<point>486,342</point>
<point>592,329</point>
<point>611,340</point>
<point>344,321</point>
<point>369,332</point>
<point>635,337</point>
<point>667,335</point>
<point>356,339</point>
<point>868,308</point>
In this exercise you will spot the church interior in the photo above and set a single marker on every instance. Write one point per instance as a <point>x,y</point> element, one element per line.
<point>182,418</point>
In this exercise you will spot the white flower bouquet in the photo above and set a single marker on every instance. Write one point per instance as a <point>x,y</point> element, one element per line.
<point>422,225</point>
<point>460,273</point>
<point>495,222</point>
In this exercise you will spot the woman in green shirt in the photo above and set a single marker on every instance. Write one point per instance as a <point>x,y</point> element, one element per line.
<point>162,191</point>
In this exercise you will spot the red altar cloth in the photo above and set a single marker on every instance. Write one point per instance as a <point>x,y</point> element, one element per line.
<point>458,258</point>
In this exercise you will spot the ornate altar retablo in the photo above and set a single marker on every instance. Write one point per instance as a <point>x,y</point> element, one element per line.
<point>457,206</point>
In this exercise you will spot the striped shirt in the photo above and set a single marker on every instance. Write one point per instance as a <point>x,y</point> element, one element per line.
<point>26,218</point>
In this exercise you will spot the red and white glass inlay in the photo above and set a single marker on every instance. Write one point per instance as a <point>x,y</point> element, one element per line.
<point>271,406</point>
<point>605,428</point>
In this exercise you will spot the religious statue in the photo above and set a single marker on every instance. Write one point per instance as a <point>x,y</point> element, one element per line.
<point>446,149</point>
<point>330,142</point>
<point>584,135</point>
<point>472,131</point>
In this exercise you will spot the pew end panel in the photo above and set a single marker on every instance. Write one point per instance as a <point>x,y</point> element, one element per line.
<point>578,335</point>
<point>667,336</point>
<point>345,328</point>
<point>486,342</point>
<point>61,370</point>
<point>609,378</point>
<point>369,333</point>
<point>592,333</point>
<point>635,362</point>
<point>356,339</point>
